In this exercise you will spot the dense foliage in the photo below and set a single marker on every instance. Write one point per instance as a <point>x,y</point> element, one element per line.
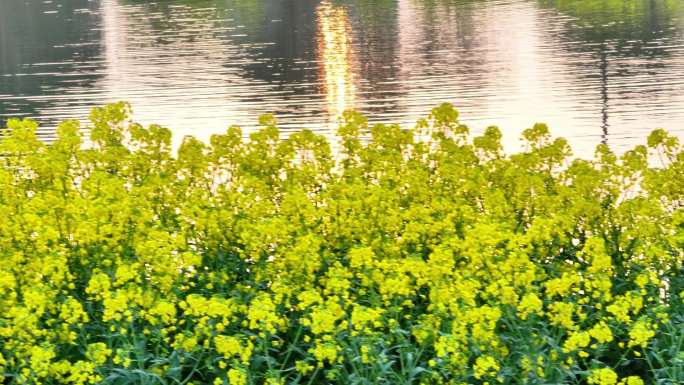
<point>402,257</point>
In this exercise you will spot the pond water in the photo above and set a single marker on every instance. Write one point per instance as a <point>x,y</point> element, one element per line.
<point>594,70</point>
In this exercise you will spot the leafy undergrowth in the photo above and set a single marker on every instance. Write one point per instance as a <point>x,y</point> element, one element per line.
<point>414,257</point>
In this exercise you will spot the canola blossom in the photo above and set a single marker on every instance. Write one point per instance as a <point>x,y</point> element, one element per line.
<point>419,256</point>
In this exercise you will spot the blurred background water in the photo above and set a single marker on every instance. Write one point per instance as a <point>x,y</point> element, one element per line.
<point>594,70</point>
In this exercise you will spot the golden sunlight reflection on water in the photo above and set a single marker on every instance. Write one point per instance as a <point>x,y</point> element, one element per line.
<point>335,56</point>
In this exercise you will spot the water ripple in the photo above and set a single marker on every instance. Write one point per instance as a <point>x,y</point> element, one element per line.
<point>594,75</point>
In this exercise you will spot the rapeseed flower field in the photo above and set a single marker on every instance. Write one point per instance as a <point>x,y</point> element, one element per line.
<point>416,256</point>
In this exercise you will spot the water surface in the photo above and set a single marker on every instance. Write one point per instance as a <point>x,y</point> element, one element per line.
<point>594,70</point>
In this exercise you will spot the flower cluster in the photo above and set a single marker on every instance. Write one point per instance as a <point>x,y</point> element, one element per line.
<point>416,256</point>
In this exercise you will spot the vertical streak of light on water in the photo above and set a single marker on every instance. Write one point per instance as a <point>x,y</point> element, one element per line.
<point>336,54</point>
<point>113,34</point>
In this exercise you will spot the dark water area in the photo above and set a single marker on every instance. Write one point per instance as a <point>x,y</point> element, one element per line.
<point>594,70</point>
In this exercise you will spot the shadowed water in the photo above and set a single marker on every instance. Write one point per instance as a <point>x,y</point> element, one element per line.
<point>594,70</point>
